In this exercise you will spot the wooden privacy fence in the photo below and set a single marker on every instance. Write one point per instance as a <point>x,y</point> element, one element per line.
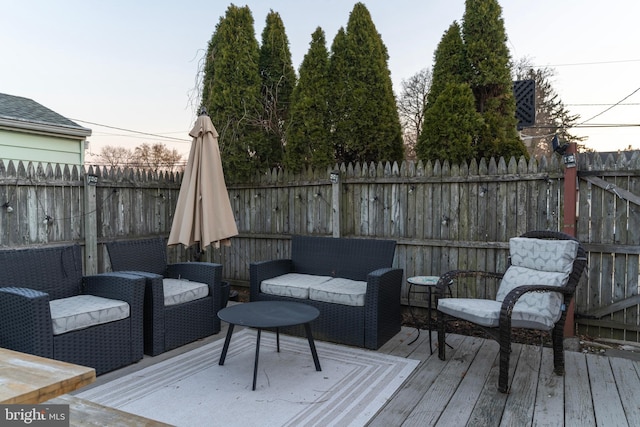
<point>443,217</point>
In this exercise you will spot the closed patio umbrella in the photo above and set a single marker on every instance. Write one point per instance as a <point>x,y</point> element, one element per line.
<point>203,212</point>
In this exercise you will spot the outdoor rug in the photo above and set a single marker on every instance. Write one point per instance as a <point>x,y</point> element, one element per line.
<point>193,390</point>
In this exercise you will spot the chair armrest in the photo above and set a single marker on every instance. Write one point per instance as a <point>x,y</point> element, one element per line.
<point>383,284</point>
<point>261,270</point>
<point>121,286</point>
<point>203,272</point>
<point>26,321</point>
<point>448,279</point>
<point>514,295</point>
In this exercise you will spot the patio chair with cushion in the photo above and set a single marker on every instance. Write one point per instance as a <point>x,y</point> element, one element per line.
<point>49,309</point>
<point>544,270</point>
<point>181,300</point>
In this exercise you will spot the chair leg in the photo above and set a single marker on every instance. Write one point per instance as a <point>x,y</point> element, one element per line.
<point>441,336</point>
<point>505,355</point>
<point>557,340</point>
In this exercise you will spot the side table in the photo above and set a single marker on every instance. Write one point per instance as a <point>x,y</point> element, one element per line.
<point>428,282</point>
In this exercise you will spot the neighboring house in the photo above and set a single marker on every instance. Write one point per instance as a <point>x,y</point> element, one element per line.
<point>30,132</point>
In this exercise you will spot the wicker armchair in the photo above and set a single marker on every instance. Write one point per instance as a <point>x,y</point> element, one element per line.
<point>36,282</point>
<point>369,260</point>
<point>170,326</point>
<point>544,271</point>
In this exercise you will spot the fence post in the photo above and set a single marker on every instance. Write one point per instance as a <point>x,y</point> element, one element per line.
<point>336,186</point>
<point>90,225</point>
<point>570,220</point>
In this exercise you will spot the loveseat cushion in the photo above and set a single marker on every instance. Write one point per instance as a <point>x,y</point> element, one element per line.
<point>83,311</point>
<point>294,285</point>
<point>340,291</point>
<point>179,291</point>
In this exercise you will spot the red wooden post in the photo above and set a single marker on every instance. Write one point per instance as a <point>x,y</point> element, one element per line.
<point>570,219</point>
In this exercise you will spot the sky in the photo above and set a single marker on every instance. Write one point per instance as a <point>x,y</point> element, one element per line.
<point>121,66</point>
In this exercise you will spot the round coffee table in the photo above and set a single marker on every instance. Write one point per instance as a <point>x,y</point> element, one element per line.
<point>269,315</point>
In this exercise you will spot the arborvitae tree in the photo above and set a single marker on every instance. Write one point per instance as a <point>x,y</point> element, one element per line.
<point>449,63</point>
<point>486,51</point>
<point>278,81</point>
<point>231,92</point>
<point>449,67</point>
<point>453,123</point>
<point>370,127</point>
<point>338,101</point>
<point>308,133</point>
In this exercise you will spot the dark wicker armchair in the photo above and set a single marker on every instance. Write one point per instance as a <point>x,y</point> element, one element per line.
<point>544,270</point>
<point>170,326</point>
<point>45,303</point>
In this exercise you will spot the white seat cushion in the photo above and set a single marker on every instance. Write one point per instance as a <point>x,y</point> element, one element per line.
<point>486,312</point>
<point>179,291</point>
<point>294,285</point>
<point>340,291</point>
<point>83,311</point>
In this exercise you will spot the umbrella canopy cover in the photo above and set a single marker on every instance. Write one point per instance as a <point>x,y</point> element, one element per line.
<point>203,212</point>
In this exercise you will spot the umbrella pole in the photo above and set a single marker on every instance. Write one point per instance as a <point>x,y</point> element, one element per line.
<point>197,256</point>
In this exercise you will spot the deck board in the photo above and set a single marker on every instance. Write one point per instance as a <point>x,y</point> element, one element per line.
<point>461,404</point>
<point>518,410</point>
<point>578,406</point>
<point>549,406</point>
<point>628,384</point>
<point>606,399</point>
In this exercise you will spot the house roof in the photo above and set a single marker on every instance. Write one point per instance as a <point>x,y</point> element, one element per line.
<point>18,113</point>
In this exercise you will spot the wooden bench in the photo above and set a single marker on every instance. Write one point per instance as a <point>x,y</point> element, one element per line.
<point>84,413</point>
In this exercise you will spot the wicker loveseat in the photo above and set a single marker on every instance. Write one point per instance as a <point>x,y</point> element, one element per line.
<point>351,282</point>
<point>49,309</point>
<point>181,299</point>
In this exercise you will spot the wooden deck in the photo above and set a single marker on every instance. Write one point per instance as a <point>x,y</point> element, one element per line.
<point>595,390</point>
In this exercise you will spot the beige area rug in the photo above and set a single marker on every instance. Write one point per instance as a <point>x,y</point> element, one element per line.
<point>193,390</point>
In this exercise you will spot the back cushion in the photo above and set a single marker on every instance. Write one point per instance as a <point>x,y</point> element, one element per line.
<point>148,255</point>
<point>543,254</point>
<point>55,270</point>
<point>538,262</point>
<point>340,257</point>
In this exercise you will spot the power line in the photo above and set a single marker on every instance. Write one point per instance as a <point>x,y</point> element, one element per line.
<point>587,63</point>
<point>602,105</point>
<point>607,109</point>
<point>132,131</point>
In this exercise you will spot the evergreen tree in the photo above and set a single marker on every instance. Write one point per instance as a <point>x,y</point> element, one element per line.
<point>338,101</point>
<point>449,67</point>
<point>453,124</point>
<point>368,128</point>
<point>308,133</point>
<point>449,63</point>
<point>278,81</point>
<point>231,92</point>
<point>486,51</point>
